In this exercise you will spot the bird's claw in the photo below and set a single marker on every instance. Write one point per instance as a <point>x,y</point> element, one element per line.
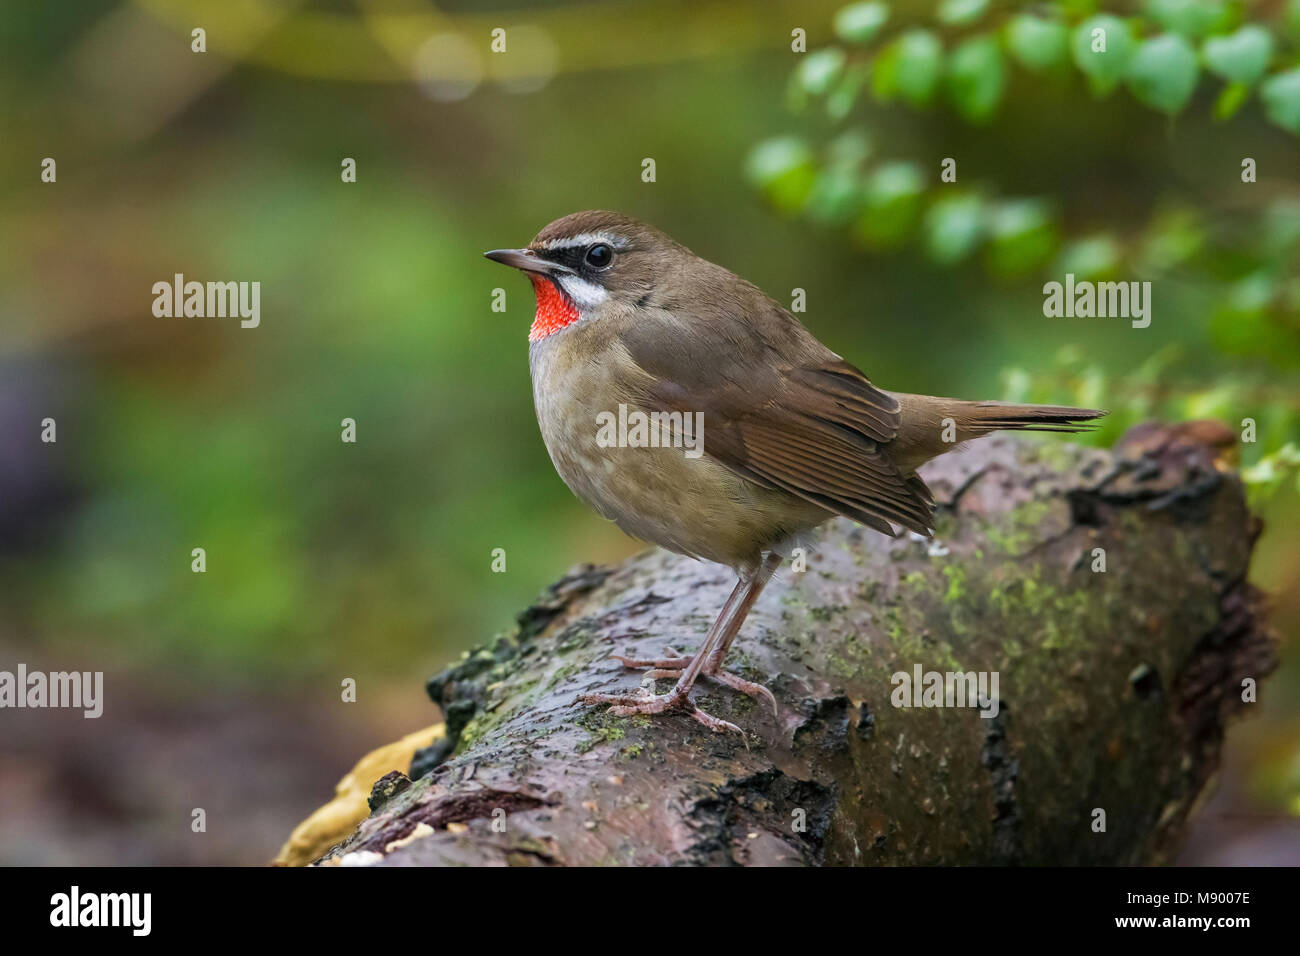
<point>627,705</point>
<point>666,667</point>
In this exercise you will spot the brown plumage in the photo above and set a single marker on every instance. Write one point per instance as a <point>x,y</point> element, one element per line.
<point>792,433</point>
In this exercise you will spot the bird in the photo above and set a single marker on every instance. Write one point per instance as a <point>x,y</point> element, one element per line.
<point>762,432</point>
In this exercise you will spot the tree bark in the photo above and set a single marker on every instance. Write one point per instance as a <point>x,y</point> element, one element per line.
<point>1114,686</point>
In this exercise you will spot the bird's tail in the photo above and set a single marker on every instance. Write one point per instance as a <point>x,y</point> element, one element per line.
<point>931,426</point>
<point>980,418</point>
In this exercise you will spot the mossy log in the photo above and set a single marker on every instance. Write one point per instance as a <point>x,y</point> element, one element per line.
<point>1114,686</point>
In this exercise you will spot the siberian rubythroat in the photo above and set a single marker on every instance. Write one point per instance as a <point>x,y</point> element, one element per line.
<point>757,432</point>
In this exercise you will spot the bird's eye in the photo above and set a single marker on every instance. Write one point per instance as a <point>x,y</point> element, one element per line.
<point>599,256</point>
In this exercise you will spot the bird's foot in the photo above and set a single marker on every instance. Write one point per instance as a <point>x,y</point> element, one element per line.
<point>628,705</point>
<point>671,667</point>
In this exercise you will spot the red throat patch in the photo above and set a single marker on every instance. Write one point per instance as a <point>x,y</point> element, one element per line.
<point>554,311</point>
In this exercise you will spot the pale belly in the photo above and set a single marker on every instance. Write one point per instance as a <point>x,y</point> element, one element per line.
<point>691,505</point>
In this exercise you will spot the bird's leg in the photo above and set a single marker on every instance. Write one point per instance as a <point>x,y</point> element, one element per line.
<point>748,590</point>
<point>713,665</point>
<point>672,666</point>
<point>707,660</point>
<point>624,705</point>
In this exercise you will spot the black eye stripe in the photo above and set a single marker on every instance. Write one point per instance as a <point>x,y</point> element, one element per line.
<point>575,257</point>
<point>568,256</point>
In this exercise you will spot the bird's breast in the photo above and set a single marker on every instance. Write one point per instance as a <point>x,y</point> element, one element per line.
<point>648,473</point>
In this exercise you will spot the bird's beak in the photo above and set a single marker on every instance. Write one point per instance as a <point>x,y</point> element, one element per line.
<point>527,260</point>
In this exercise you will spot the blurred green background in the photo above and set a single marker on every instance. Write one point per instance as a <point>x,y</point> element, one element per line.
<point>372,560</point>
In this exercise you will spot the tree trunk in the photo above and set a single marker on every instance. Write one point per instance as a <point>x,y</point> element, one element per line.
<point>1114,686</point>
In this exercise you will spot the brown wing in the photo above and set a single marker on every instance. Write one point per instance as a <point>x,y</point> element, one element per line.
<point>782,410</point>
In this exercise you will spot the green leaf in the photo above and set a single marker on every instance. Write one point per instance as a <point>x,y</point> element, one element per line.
<point>893,201</point>
<point>1281,96</point>
<point>783,170</point>
<point>1022,235</point>
<point>839,103</point>
<point>919,65</point>
<point>1263,472</point>
<point>1269,472</point>
<point>1093,257</point>
<point>1103,58</point>
<point>835,197</point>
<point>884,74</point>
<point>961,12</point>
<point>849,150</point>
<point>819,70</point>
<point>1252,293</point>
<point>860,22</point>
<point>1240,57</point>
<point>1162,73</point>
<point>953,227</point>
<point>1035,43</point>
<point>976,78</point>
<point>1231,99</point>
<point>1191,18</point>
<point>1291,19</point>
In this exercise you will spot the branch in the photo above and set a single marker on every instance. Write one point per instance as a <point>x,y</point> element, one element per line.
<point>1114,686</point>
